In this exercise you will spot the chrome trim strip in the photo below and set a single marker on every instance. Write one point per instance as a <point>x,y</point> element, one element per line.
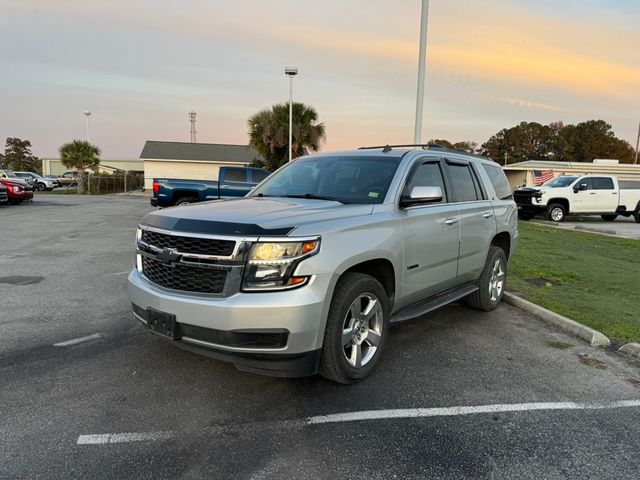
<point>178,233</point>
<point>139,318</point>
<point>232,349</point>
<point>202,256</point>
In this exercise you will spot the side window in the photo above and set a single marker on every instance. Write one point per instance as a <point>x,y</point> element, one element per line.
<point>603,183</point>
<point>499,181</point>
<point>426,175</point>
<point>464,186</point>
<point>586,180</point>
<point>258,175</point>
<point>235,175</point>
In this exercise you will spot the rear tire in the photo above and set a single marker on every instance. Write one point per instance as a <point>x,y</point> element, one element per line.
<point>609,218</point>
<point>492,282</point>
<point>556,213</point>
<point>357,329</point>
<point>41,187</point>
<point>185,200</point>
<point>636,215</point>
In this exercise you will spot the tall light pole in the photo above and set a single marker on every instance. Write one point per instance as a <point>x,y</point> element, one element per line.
<point>290,72</point>
<point>417,133</point>
<point>87,114</point>
<point>637,144</point>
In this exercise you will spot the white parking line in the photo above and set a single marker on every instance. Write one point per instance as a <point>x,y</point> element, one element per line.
<point>105,438</point>
<point>121,273</point>
<point>456,411</point>
<point>75,341</point>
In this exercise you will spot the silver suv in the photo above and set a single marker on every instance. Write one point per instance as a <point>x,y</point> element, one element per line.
<point>306,273</point>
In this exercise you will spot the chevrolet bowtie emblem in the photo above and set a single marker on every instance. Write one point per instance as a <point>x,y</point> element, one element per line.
<point>167,255</point>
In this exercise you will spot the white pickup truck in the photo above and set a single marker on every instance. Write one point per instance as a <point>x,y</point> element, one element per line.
<point>586,195</point>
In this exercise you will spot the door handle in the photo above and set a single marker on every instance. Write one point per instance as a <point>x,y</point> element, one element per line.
<point>487,215</point>
<point>614,193</point>
<point>451,220</point>
<point>225,186</point>
<point>592,193</point>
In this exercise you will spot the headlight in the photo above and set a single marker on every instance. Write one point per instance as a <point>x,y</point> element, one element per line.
<point>17,189</point>
<point>271,265</point>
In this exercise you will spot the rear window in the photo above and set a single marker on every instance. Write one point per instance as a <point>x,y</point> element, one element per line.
<point>258,175</point>
<point>464,186</point>
<point>603,183</point>
<point>235,175</point>
<point>499,181</point>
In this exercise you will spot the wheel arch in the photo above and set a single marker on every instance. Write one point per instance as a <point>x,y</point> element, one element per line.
<point>503,241</point>
<point>560,201</point>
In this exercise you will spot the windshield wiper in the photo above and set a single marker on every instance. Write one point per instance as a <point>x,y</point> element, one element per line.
<point>313,196</point>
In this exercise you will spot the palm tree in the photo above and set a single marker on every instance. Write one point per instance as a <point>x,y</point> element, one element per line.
<point>269,132</point>
<point>80,155</point>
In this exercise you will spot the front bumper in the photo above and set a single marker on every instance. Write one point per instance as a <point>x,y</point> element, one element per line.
<point>212,325</point>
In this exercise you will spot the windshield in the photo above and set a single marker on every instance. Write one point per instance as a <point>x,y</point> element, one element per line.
<point>560,182</point>
<point>343,179</point>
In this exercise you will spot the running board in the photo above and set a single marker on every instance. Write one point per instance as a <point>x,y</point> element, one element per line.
<point>429,304</point>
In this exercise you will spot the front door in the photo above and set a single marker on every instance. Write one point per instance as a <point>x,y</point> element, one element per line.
<point>431,234</point>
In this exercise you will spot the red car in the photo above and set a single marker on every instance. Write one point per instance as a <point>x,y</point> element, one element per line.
<point>17,190</point>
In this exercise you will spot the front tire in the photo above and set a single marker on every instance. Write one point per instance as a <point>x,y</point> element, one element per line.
<point>556,213</point>
<point>492,282</point>
<point>41,187</point>
<point>357,329</point>
<point>636,215</point>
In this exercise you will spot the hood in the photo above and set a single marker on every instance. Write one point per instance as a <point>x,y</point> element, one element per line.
<point>252,216</point>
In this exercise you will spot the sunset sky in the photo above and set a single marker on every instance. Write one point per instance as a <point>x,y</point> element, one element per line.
<point>140,66</point>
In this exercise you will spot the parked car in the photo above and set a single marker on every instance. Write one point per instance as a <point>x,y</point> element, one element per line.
<point>4,173</point>
<point>232,182</point>
<point>306,273</point>
<point>68,178</point>
<point>38,182</point>
<point>18,190</point>
<point>586,195</point>
<point>4,197</point>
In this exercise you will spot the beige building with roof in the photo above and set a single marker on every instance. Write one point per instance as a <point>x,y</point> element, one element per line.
<point>522,174</point>
<point>193,161</point>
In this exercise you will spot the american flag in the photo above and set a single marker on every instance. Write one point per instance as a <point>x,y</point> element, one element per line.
<point>542,176</point>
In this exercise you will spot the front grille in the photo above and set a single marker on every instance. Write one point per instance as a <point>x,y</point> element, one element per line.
<point>183,277</point>
<point>202,246</point>
<point>522,198</point>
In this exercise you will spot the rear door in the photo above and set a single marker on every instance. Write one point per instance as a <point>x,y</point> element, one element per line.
<point>234,182</point>
<point>475,215</point>
<point>431,235</point>
<point>607,195</point>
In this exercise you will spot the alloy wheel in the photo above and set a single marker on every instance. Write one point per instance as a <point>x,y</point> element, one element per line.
<point>362,330</point>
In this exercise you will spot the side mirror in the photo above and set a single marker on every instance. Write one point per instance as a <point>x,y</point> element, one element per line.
<point>421,195</point>
<point>579,188</point>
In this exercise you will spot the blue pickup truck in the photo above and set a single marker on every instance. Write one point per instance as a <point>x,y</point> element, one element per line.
<point>232,182</point>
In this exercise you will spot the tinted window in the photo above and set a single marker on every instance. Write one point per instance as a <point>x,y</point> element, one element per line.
<point>588,181</point>
<point>426,175</point>
<point>258,175</point>
<point>498,180</point>
<point>235,175</point>
<point>462,182</point>
<point>603,183</point>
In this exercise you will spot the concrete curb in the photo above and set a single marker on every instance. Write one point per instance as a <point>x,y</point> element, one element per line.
<point>595,230</point>
<point>595,338</point>
<point>631,349</point>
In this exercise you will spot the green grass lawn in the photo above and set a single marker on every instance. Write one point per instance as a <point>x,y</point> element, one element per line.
<point>593,279</point>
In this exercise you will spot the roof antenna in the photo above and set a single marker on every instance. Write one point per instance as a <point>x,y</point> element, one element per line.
<point>386,149</point>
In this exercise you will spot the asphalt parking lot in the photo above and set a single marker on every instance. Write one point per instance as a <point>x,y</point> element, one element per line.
<point>121,403</point>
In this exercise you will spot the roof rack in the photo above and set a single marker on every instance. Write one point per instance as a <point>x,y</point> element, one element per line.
<point>387,148</point>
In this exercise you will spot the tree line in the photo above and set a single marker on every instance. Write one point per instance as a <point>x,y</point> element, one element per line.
<point>556,141</point>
